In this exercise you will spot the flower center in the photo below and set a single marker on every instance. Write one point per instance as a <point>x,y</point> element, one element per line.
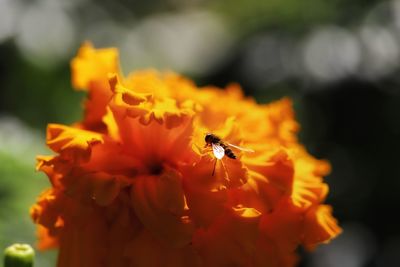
<point>156,168</point>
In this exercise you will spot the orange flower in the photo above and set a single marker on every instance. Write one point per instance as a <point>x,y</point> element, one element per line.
<point>133,183</point>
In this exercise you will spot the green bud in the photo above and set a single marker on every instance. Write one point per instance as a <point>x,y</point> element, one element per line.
<point>19,255</point>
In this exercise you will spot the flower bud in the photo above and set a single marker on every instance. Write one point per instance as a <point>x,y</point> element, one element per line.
<point>19,255</point>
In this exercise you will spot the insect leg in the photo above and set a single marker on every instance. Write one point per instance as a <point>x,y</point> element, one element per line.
<point>225,171</point>
<point>215,164</point>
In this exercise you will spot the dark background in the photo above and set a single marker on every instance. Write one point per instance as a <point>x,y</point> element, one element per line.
<point>338,60</point>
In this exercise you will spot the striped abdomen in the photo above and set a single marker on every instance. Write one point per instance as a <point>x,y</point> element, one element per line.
<point>228,152</point>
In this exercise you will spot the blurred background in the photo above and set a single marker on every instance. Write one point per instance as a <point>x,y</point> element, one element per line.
<point>338,60</point>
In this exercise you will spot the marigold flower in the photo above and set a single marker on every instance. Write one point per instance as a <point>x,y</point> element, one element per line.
<point>132,184</point>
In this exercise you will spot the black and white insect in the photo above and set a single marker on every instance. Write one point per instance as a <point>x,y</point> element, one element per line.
<point>221,148</point>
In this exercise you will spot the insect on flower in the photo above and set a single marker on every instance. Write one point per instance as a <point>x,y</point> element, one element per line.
<point>221,148</point>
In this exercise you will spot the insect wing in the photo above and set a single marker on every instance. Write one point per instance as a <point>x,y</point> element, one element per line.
<point>219,151</point>
<point>241,148</point>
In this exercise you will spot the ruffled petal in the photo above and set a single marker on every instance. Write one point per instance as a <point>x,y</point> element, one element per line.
<point>144,106</point>
<point>280,121</point>
<point>155,144</point>
<point>47,164</point>
<point>160,204</point>
<point>319,226</point>
<point>89,72</point>
<point>206,195</point>
<point>309,188</point>
<point>105,188</point>
<point>111,125</point>
<point>93,65</point>
<point>283,226</point>
<point>101,187</point>
<point>45,239</point>
<point>73,144</point>
<point>112,158</point>
<point>269,181</point>
<point>43,212</point>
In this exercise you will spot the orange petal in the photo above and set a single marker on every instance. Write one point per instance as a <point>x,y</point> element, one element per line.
<point>54,167</point>
<point>309,191</point>
<point>124,227</point>
<point>104,187</point>
<point>319,226</point>
<point>44,211</point>
<point>154,144</point>
<point>268,255</point>
<point>308,188</point>
<point>73,144</point>
<point>126,102</point>
<point>112,158</point>
<point>45,239</point>
<point>283,227</point>
<point>156,83</point>
<point>278,170</point>
<point>111,125</point>
<point>92,65</point>
<point>95,107</point>
<point>89,72</point>
<point>85,186</point>
<point>123,95</point>
<point>282,125</point>
<point>159,203</point>
<point>207,194</point>
<point>147,251</point>
<point>230,240</point>
<point>83,242</point>
<point>269,181</point>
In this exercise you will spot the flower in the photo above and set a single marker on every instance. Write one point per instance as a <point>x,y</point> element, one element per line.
<point>132,184</point>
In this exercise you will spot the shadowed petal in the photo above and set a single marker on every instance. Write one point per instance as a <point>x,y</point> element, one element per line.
<point>160,205</point>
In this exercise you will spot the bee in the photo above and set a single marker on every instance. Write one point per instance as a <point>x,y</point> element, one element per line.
<point>221,148</point>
